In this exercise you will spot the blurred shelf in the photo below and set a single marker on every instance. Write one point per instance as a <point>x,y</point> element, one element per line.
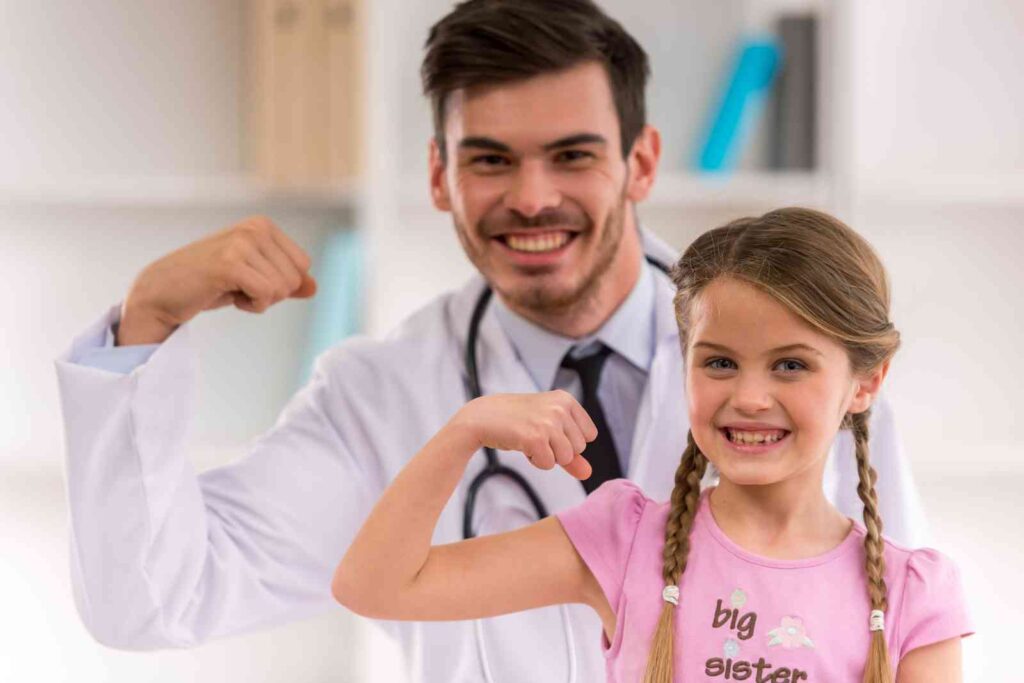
<point>678,190</point>
<point>966,189</point>
<point>176,192</point>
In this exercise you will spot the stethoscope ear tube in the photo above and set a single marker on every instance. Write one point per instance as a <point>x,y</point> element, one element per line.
<point>472,370</point>
<point>495,469</point>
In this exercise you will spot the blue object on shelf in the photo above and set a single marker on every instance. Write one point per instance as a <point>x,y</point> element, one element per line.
<point>337,307</point>
<point>756,66</point>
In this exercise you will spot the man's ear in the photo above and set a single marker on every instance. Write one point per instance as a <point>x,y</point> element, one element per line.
<point>868,388</point>
<point>438,183</point>
<point>643,163</point>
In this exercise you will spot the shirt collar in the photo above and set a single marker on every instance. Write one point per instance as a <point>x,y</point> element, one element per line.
<point>629,332</point>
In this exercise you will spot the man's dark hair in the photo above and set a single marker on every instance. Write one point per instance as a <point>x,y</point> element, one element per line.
<point>485,42</point>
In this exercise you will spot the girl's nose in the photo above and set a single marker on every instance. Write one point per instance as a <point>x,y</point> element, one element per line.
<point>532,190</point>
<point>751,395</point>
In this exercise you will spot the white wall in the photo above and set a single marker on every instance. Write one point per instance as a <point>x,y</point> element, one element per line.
<point>119,88</point>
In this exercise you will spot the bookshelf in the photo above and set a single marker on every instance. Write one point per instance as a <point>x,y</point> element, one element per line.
<point>374,123</point>
<point>179,191</point>
<point>304,67</point>
<point>683,190</point>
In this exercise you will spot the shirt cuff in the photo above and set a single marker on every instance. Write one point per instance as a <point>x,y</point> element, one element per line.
<point>102,353</point>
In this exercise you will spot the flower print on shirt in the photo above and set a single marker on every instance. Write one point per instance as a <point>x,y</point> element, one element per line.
<point>791,635</point>
<point>731,648</point>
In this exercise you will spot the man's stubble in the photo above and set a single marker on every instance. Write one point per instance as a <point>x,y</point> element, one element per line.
<point>539,301</point>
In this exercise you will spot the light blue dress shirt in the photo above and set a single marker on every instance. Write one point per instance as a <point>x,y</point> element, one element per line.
<point>629,333</point>
<point>119,359</point>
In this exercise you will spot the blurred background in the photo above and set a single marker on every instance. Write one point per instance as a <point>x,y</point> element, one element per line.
<point>133,128</point>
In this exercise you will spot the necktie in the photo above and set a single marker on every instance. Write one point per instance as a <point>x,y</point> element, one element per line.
<point>601,451</point>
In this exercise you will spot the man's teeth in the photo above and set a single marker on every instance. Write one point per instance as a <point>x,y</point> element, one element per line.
<point>545,241</point>
<point>737,436</point>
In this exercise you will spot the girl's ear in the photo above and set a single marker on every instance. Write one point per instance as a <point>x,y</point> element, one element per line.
<point>868,387</point>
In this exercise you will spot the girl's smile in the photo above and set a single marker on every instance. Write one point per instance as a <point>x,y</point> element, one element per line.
<point>754,440</point>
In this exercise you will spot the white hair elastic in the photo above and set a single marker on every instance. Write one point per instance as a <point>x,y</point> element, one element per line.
<point>671,594</point>
<point>877,620</point>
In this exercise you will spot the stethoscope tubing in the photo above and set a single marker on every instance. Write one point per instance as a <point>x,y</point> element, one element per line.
<point>493,468</point>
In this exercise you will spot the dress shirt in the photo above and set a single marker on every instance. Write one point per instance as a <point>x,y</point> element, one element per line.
<point>629,333</point>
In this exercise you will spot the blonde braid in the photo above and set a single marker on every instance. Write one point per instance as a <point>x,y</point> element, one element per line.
<point>877,669</point>
<point>685,498</point>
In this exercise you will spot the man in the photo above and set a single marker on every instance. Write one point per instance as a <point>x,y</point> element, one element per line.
<point>541,153</point>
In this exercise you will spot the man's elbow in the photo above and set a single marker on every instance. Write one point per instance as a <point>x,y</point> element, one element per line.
<point>119,633</point>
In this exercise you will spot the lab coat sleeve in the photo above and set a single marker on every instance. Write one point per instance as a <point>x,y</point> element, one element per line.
<point>161,557</point>
<point>903,518</point>
<point>100,352</point>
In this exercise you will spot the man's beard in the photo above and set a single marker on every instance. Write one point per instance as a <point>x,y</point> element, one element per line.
<point>541,298</point>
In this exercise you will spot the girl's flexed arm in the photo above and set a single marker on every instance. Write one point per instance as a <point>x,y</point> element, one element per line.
<point>391,571</point>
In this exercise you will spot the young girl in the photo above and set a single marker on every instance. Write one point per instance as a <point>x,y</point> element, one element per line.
<point>784,325</point>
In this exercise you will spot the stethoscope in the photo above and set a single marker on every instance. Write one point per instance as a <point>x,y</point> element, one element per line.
<point>493,468</point>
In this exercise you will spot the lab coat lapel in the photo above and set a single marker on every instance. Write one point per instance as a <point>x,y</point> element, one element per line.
<point>662,419</point>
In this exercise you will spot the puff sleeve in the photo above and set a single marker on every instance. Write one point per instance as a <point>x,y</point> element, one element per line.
<point>602,528</point>
<point>934,607</point>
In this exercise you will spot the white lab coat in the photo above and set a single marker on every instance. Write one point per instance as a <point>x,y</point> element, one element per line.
<point>161,557</point>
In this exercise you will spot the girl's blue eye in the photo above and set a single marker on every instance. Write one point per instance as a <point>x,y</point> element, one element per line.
<point>791,362</point>
<point>788,365</point>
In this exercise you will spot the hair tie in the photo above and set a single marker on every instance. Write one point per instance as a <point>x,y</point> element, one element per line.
<point>671,594</point>
<point>877,620</point>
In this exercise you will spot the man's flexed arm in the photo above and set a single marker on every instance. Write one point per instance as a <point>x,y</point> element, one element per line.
<point>252,264</point>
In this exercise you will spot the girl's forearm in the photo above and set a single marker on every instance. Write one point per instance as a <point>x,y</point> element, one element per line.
<point>394,542</point>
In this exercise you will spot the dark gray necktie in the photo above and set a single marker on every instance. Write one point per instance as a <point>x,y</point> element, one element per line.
<point>600,453</point>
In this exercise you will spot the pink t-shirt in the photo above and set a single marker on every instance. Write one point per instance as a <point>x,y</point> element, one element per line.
<point>746,617</point>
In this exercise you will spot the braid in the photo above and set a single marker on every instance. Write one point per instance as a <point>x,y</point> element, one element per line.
<point>685,499</point>
<point>878,669</point>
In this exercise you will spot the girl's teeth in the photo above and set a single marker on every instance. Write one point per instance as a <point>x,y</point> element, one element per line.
<point>754,437</point>
<point>548,241</point>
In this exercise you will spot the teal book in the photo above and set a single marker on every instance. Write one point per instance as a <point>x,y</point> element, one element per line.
<point>740,105</point>
<point>337,308</point>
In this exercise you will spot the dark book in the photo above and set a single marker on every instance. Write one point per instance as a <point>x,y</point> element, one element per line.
<point>794,121</point>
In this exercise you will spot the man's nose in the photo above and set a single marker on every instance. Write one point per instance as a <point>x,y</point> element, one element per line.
<point>752,394</point>
<point>533,190</point>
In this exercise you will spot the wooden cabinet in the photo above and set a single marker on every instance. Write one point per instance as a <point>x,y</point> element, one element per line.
<point>305,90</point>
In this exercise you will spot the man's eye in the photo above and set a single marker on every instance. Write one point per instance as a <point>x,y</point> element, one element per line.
<point>489,160</point>
<point>791,365</point>
<point>571,155</point>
